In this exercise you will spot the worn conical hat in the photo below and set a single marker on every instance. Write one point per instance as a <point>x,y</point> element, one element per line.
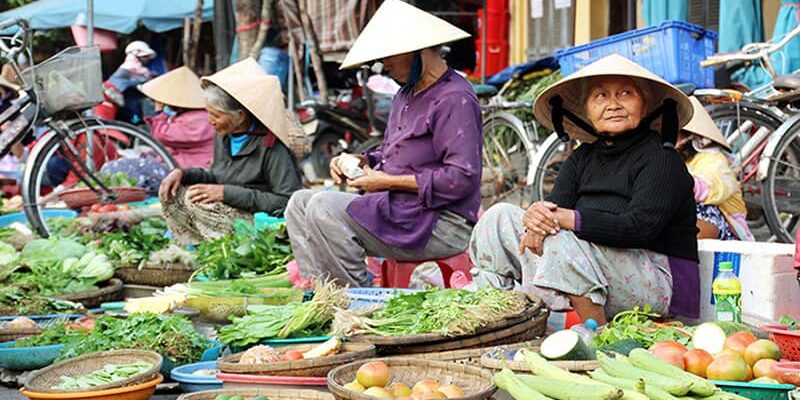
<point>398,28</point>
<point>179,88</point>
<point>572,91</point>
<point>701,124</point>
<point>256,91</point>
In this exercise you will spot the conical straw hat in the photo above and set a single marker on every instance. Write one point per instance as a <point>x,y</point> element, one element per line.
<point>571,89</point>
<point>179,88</point>
<point>701,124</point>
<point>398,28</point>
<point>256,91</point>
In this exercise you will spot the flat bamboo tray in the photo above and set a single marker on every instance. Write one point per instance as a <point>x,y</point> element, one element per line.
<point>7,334</point>
<point>111,291</point>
<point>43,380</point>
<point>155,275</point>
<point>272,393</point>
<point>475,382</point>
<point>310,367</point>
<point>473,356</point>
<point>501,357</point>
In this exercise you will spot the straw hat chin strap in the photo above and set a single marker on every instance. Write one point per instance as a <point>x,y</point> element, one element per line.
<point>668,110</point>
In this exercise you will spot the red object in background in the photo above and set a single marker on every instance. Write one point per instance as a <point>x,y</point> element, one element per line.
<point>797,252</point>
<point>497,31</point>
<point>397,274</point>
<point>107,40</point>
<point>572,318</point>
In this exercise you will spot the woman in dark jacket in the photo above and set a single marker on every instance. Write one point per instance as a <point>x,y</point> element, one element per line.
<point>253,170</point>
<point>618,229</point>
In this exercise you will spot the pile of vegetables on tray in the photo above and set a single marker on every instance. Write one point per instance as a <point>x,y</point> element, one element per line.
<point>173,337</point>
<point>639,325</point>
<point>15,301</point>
<point>249,252</point>
<point>110,373</point>
<point>449,312</point>
<point>119,179</point>
<point>134,245</point>
<point>375,379</point>
<point>638,376</point>
<point>60,332</point>
<point>296,319</point>
<point>265,354</point>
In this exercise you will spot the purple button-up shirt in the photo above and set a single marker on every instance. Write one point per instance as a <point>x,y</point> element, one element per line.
<point>434,135</point>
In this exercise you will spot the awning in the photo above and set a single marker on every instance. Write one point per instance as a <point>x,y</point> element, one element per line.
<point>122,16</point>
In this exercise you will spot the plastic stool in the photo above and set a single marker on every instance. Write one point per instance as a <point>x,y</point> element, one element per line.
<point>397,274</point>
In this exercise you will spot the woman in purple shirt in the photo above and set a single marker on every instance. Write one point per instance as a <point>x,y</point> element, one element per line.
<point>420,192</point>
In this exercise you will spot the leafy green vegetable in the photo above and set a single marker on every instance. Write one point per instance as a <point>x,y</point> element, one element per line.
<point>791,322</point>
<point>14,301</point>
<point>449,312</point>
<point>54,334</point>
<point>135,246</point>
<point>638,324</point>
<point>108,374</point>
<point>92,266</point>
<point>47,252</point>
<point>248,253</point>
<point>239,287</point>
<point>119,179</point>
<point>8,254</point>
<point>173,337</point>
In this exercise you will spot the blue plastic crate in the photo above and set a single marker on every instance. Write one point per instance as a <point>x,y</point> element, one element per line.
<point>672,50</point>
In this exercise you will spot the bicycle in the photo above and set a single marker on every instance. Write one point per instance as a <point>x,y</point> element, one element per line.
<point>52,96</point>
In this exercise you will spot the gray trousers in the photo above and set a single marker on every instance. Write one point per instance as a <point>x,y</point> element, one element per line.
<point>328,243</point>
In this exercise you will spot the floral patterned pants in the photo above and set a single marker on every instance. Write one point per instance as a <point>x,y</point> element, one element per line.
<point>615,278</point>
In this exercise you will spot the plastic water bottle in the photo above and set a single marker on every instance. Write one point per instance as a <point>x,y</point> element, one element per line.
<point>586,331</point>
<point>727,292</point>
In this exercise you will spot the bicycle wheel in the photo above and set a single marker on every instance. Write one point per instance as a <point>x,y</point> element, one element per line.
<point>506,161</point>
<point>47,173</point>
<point>729,117</point>
<point>547,162</point>
<point>782,183</point>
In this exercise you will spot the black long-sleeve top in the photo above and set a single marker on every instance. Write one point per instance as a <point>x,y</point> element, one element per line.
<point>633,193</point>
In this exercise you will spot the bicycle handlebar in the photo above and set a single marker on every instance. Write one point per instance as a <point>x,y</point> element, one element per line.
<point>21,37</point>
<point>752,51</point>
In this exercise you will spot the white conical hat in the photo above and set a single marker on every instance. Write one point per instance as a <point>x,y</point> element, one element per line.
<point>179,88</point>
<point>701,124</point>
<point>398,28</point>
<point>256,91</point>
<point>654,89</point>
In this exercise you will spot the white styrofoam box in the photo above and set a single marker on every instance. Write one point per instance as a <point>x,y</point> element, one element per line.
<point>766,271</point>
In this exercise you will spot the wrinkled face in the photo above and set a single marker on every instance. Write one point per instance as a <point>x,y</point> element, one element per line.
<point>224,123</point>
<point>399,66</point>
<point>614,104</point>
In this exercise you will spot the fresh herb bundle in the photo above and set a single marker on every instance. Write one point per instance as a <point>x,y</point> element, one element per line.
<point>638,324</point>
<point>135,245</point>
<point>248,253</point>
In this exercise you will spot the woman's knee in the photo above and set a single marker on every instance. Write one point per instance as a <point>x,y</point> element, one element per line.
<point>298,202</point>
<point>501,213</point>
<point>324,206</point>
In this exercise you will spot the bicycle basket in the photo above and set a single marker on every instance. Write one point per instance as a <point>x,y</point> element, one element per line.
<point>70,80</point>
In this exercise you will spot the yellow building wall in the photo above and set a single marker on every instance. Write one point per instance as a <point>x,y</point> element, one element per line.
<point>591,20</point>
<point>518,40</point>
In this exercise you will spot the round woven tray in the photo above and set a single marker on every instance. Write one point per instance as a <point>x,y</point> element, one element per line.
<point>7,335</point>
<point>112,291</point>
<point>311,367</point>
<point>497,359</point>
<point>43,380</point>
<point>532,310</point>
<point>84,197</point>
<point>155,275</point>
<point>272,393</point>
<point>473,356</point>
<point>533,327</point>
<point>475,382</point>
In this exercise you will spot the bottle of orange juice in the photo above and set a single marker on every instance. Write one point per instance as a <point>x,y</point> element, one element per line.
<point>727,292</point>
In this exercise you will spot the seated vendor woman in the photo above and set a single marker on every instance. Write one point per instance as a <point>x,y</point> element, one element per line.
<point>721,211</point>
<point>420,192</point>
<point>253,170</point>
<point>618,229</point>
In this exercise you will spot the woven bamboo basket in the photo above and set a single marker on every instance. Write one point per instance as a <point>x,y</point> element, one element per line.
<point>532,327</point>
<point>43,380</point>
<point>155,275</point>
<point>499,358</point>
<point>475,382</point>
<point>7,335</point>
<point>112,291</point>
<point>311,367</point>
<point>271,393</point>
<point>473,356</point>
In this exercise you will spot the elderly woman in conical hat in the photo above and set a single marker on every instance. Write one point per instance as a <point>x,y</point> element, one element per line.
<point>618,229</point>
<point>253,169</point>
<point>181,124</point>
<point>420,192</point>
<point>721,211</point>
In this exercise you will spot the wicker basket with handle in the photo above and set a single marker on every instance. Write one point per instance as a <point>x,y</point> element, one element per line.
<point>476,383</point>
<point>43,380</point>
<point>151,274</point>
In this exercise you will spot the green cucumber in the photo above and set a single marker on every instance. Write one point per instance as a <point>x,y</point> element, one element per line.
<point>565,345</point>
<point>623,347</point>
<point>651,391</point>
<point>623,370</point>
<point>642,358</point>
<point>507,381</point>
<point>540,366</point>
<point>629,394</point>
<point>566,390</point>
